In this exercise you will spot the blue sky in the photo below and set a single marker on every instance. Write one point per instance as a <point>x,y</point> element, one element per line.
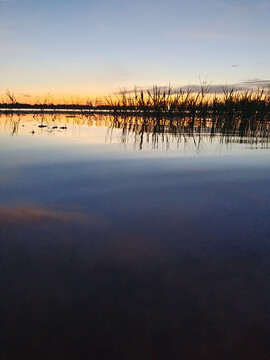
<point>96,47</point>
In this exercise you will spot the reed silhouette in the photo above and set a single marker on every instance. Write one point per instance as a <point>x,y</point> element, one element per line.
<point>158,101</point>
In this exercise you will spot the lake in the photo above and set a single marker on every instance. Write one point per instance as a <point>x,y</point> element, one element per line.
<point>134,238</point>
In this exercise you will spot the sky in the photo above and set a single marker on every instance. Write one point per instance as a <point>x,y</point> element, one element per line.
<point>93,48</point>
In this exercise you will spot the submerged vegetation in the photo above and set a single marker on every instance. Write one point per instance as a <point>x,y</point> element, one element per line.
<point>158,101</point>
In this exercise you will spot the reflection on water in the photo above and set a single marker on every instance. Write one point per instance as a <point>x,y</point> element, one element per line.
<point>143,131</point>
<point>111,253</point>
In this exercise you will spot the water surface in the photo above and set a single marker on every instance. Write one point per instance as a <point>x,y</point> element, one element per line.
<point>127,238</point>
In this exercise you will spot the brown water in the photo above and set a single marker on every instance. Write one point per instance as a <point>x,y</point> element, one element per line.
<point>129,238</point>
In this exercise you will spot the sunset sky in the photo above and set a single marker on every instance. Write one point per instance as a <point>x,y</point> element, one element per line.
<point>86,47</point>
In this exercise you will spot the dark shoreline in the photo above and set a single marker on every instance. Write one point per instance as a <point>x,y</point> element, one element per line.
<point>254,113</point>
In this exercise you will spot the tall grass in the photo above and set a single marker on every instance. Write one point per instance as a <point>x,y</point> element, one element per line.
<point>192,103</point>
<point>166,101</point>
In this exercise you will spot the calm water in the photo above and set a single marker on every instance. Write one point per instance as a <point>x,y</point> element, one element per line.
<point>133,239</point>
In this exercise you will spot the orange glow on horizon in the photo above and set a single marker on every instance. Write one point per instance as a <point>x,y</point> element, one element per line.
<point>126,98</point>
<point>53,98</point>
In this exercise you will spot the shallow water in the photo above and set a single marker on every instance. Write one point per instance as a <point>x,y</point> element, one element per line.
<point>124,238</point>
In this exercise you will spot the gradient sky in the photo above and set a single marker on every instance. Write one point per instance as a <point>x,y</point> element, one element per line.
<point>88,47</point>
